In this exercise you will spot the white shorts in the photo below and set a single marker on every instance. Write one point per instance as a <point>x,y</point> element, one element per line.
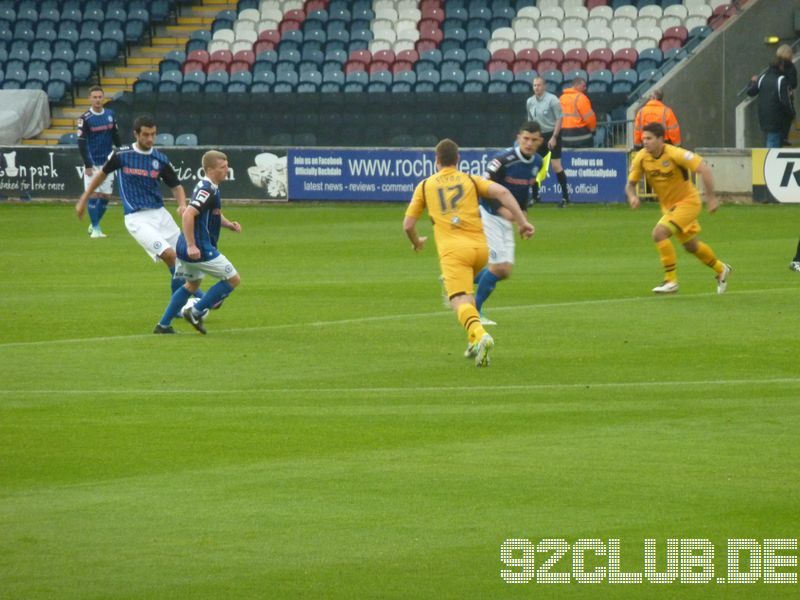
<point>499,236</point>
<point>154,229</point>
<point>105,187</point>
<point>219,267</point>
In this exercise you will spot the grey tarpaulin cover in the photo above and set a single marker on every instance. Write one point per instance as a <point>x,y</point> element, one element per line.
<point>23,115</point>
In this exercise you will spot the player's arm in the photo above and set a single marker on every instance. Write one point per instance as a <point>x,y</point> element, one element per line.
<point>557,129</point>
<point>112,164</point>
<point>115,139</point>
<point>633,181</point>
<point>704,171</point>
<point>232,225</point>
<point>187,224</point>
<point>170,177</point>
<point>83,146</point>
<point>413,213</point>
<point>507,200</point>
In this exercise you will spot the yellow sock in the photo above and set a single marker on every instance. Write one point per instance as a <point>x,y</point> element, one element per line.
<point>468,317</point>
<point>669,258</point>
<point>705,254</point>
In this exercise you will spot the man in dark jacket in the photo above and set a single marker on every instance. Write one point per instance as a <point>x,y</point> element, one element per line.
<point>775,107</point>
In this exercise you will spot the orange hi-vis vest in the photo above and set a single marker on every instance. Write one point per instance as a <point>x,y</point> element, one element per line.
<point>656,111</point>
<point>579,121</point>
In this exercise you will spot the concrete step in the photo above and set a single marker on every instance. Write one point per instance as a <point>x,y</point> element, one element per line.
<point>60,122</point>
<point>144,61</point>
<point>40,142</point>
<point>53,134</point>
<point>196,22</point>
<point>116,81</point>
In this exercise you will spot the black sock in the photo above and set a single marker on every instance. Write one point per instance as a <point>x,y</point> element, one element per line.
<point>535,190</point>
<point>797,255</point>
<point>562,181</point>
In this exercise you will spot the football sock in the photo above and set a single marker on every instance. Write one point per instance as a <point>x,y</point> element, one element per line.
<point>102,206</point>
<point>174,284</point>
<point>93,212</point>
<point>562,181</point>
<point>535,191</point>
<point>669,258</point>
<point>479,275</point>
<point>176,303</point>
<point>468,317</point>
<point>705,254</point>
<point>216,293</point>
<point>797,255</point>
<point>485,287</point>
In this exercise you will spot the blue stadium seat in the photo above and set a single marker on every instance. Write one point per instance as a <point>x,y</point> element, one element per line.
<point>599,81</point>
<point>56,91</point>
<point>503,75</point>
<point>409,77</point>
<point>287,77</point>
<point>141,86</point>
<point>473,87</point>
<point>165,139</point>
<point>457,54</point>
<point>425,87</point>
<point>379,87</point>
<point>261,88</point>
<point>479,75</point>
<point>497,87</point>
<point>82,69</point>
<point>571,75</point>
<point>61,74</point>
<point>68,139</point>
<point>186,139</point>
<point>354,87</point>
<point>264,77</point>
<point>624,81</point>
<point>553,80</point>
<point>401,87</point>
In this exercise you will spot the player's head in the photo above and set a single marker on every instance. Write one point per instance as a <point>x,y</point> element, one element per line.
<point>529,137</point>
<point>215,164</point>
<point>653,137</point>
<point>657,94</point>
<point>144,131</point>
<point>539,87</point>
<point>447,153</point>
<point>579,83</point>
<point>785,52</point>
<point>96,96</point>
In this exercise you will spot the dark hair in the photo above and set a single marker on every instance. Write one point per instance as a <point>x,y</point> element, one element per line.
<point>657,129</point>
<point>143,121</point>
<point>447,153</point>
<point>96,88</point>
<point>530,127</point>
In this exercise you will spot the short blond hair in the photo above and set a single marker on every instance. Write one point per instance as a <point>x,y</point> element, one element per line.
<point>212,157</point>
<point>785,52</point>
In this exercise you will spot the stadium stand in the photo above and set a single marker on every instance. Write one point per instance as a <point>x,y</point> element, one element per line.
<point>320,46</point>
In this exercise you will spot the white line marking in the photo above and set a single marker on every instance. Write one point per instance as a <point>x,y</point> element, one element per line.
<point>406,390</point>
<point>439,313</point>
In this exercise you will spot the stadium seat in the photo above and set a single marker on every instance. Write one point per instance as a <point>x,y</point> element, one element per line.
<point>599,81</point>
<point>165,139</point>
<point>624,81</point>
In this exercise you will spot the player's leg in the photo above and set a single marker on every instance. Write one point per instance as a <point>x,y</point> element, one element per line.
<point>103,195</point>
<point>663,230</point>
<point>93,207</point>
<point>221,268</point>
<point>561,175</point>
<point>688,236</point>
<point>795,264</point>
<point>178,301</point>
<point>500,239</point>
<point>458,267</point>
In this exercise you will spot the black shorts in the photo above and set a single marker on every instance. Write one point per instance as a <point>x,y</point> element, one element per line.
<point>543,149</point>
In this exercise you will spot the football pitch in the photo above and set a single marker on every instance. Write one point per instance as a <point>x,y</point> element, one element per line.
<point>327,439</point>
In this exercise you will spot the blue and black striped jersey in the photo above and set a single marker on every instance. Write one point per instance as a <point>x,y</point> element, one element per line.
<point>207,200</point>
<point>97,136</point>
<point>138,177</point>
<point>511,169</point>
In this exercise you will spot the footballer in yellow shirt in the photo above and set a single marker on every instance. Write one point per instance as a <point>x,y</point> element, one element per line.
<point>451,198</point>
<point>668,170</point>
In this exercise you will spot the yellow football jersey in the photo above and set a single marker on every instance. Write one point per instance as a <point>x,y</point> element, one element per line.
<point>669,175</point>
<point>451,198</point>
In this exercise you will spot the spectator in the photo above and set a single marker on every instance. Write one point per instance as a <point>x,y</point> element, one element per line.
<point>579,121</point>
<point>655,111</point>
<point>786,55</point>
<point>775,109</point>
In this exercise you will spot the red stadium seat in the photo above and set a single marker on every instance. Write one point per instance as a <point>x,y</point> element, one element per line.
<point>629,54</point>
<point>679,33</point>
<point>554,54</point>
<point>290,26</point>
<point>238,66</point>
<point>531,54</point>
<point>215,66</point>
<point>312,5</point>
<point>595,65</point>
<point>590,4</point>
<point>504,54</point>
<point>272,35</point>
<point>423,45</point>
<point>432,12</point>
<point>262,45</point>
<point>669,43</point>
<point>199,56</point>
<point>579,54</point>
<point>190,66</point>
<point>547,65</point>
<point>351,67</point>
<point>604,54</point>
<point>294,15</point>
<point>246,56</point>
<point>219,60</point>
<point>570,65</point>
<point>378,65</point>
<point>386,56</point>
<point>497,65</point>
<point>434,35</point>
<point>620,64</point>
<point>402,65</point>
<point>522,65</point>
<point>362,56</point>
<point>428,24</point>
<point>411,56</point>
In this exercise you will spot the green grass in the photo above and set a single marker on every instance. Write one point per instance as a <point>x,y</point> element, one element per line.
<point>327,440</point>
